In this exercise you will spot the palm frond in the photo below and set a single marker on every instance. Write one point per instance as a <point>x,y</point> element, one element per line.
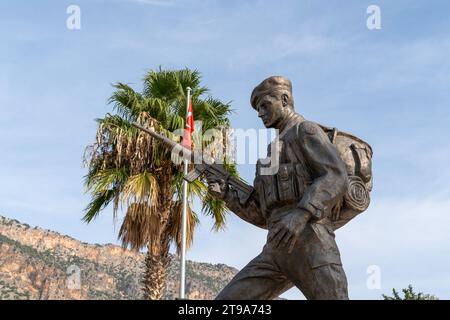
<point>216,209</point>
<point>98,202</point>
<point>127,102</point>
<point>104,186</point>
<point>140,227</point>
<point>142,189</point>
<point>175,230</point>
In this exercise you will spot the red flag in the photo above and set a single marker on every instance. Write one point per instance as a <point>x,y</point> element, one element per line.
<point>187,139</point>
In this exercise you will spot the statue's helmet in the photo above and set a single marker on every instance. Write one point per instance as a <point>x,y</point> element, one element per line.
<point>276,86</point>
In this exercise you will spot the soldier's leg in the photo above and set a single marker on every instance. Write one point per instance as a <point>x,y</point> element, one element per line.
<point>260,279</point>
<point>330,283</point>
<point>316,268</point>
<point>326,282</point>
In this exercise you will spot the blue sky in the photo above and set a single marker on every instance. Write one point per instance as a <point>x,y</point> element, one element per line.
<point>391,87</point>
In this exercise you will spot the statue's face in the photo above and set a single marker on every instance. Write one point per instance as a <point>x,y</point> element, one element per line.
<point>270,110</point>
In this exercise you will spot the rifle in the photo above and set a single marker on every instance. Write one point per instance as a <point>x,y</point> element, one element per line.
<point>203,165</point>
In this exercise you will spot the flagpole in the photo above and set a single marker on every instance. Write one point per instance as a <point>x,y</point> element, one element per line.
<point>183,217</point>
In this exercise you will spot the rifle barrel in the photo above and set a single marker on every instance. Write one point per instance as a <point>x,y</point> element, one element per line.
<point>183,151</point>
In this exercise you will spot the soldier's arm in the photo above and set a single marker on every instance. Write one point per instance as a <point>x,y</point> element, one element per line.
<point>327,170</point>
<point>250,211</point>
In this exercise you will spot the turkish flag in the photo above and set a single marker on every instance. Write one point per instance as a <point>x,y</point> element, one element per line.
<point>187,139</point>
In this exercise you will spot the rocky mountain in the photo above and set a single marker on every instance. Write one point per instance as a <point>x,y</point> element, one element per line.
<point>42,264</point>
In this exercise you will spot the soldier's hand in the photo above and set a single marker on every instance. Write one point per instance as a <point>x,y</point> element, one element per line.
<point>217,187</point>
<point>287,230</point>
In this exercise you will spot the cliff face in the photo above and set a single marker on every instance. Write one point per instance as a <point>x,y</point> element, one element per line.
<point>41,264</point>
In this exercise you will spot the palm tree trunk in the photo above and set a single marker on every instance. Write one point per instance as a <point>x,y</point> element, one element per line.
<point>158,258</point>
<point>155,275</point>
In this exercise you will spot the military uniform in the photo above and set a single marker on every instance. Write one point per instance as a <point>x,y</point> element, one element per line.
<point>311,177</point>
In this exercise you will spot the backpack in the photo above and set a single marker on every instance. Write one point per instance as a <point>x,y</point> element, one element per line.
<point>357,156</point>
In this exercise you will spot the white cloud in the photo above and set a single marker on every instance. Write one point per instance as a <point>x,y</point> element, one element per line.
<point>398,226</point>
<point>282,45</point>
<point>4,83</point>
<point>169,3</point>
<point>163,3</point>
<point>405,237</point>
<point>395,65</point>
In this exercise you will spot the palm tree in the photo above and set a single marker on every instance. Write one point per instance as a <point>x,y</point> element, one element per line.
<point>128,169</point>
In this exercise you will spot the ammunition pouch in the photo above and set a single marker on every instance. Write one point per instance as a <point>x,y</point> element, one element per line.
<point>285,187</point>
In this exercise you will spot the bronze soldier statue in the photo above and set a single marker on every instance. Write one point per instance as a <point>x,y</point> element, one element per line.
<point>295,204</point>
